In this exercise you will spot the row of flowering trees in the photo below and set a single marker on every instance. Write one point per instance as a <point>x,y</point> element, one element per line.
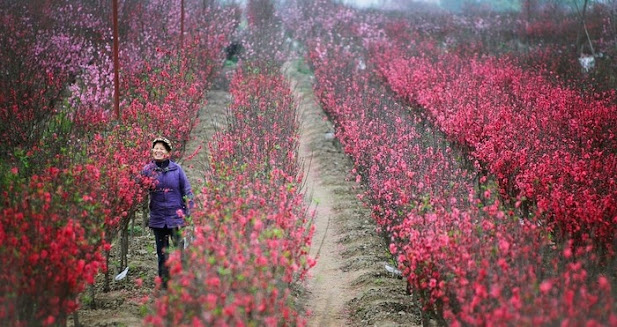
<point>70,173</point>
<point>549,148</point>
<point>252,232</point>
<point>557,37</point>
<point>545,144</point>
<point>472,249</point>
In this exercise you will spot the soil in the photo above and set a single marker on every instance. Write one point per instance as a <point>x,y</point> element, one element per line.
<point>349,285</point>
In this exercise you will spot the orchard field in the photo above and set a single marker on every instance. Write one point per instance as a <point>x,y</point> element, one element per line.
<point>413,164</point>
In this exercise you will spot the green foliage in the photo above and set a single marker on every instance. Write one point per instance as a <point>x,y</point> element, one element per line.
<point>302,67</point>
<point>136,230</point>
<point>13,173</point>
<point>143,310</point>
<point>231,63</point>
<point>150,248</point>
<point>59,124</point>
<point>426,206</point>
<point>86,300</point>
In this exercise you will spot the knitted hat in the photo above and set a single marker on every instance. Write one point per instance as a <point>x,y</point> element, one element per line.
<point>166,143</point>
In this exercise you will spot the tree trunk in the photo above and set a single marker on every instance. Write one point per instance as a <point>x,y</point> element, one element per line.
<point>76,319</point>
<point>106,287</point>
<point>124,245</point>
<point>115,54</point>
<point>145,211</point>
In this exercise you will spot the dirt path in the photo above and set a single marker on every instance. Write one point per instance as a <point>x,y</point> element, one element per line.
<point>328,289</point>
<point>212,118</point>
<point>349,285</point>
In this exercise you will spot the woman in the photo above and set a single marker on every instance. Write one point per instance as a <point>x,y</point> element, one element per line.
<point>170,199</point>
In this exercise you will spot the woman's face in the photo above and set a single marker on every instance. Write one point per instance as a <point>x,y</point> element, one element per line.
<point>159,152</point>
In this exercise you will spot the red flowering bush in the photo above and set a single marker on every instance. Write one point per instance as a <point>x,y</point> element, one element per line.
<point>73,181</point>
<point>544,143</point>
<point>49,251</point>
<point>36,68</point>
<point>469,257</point>
<point>466,257</point>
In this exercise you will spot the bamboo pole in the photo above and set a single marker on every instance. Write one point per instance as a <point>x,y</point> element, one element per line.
<point>116,64</point>
<point>181,24</point>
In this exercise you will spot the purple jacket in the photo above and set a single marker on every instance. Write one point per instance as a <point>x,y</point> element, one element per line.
<point>168,195</point>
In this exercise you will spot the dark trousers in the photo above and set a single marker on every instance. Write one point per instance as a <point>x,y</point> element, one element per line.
<point>161,236</point>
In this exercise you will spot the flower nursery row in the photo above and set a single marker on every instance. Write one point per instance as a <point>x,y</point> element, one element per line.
<point>70,176</point>
<point>551,147</point>
<point>469,258</point>
<point>466,257</point>
<point>252,231</point>
<point>548,146</point>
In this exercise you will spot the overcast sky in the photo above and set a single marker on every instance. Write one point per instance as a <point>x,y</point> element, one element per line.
<point>363,3</point>
<point>368,3</point>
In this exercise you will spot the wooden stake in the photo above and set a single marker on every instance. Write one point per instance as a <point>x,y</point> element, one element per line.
<point>116,64</point>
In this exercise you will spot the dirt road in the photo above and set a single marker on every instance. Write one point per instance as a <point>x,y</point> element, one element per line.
<point>349,285</point>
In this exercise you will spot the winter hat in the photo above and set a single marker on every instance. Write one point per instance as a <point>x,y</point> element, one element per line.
<point>166,143</point>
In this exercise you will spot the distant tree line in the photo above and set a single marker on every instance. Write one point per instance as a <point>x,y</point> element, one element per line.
<point>516,5</point>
